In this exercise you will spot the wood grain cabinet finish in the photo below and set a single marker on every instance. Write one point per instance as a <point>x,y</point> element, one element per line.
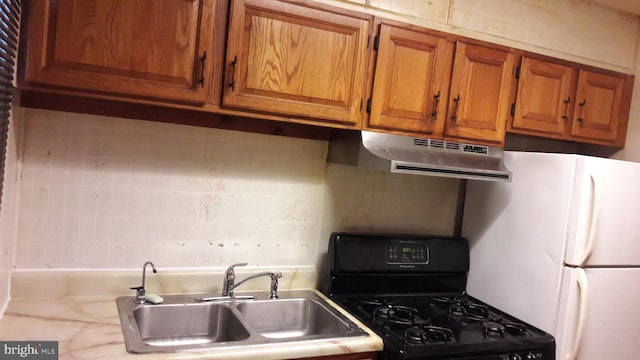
<point>563,101</point>
<point>411,81</point>
<point>479,101</point>
<point>428,85</point>
<point>545,99</point>
<point>599,108</point>
<point>296,60</point>
<point>155,49</point>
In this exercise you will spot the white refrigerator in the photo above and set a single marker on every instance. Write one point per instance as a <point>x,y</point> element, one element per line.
<point>559,247</point>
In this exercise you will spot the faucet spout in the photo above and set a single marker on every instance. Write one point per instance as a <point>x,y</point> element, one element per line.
<point>230,285</point>
<point>140,290</point>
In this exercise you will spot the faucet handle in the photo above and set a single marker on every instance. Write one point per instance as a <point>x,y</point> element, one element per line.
<point>230,269</point>
<point>140,294</point>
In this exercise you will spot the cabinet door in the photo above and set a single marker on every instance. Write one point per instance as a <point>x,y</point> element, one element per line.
<point>411,82</point>
<point>480,91</point>
<point>145,48</point>
<point>544,101</point>
<point>290,59</point>
<point>597,112</point>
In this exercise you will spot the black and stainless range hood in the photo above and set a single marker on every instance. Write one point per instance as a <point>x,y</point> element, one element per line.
<point>419,156</point>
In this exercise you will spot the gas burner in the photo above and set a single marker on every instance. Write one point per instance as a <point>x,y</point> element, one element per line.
<point>427,334</point>
<point>515,329</point>
<point>493,329</point>
<point>395,315</point>
<point>448,300</point>
<point>469,311</point>
<point>377,301</point>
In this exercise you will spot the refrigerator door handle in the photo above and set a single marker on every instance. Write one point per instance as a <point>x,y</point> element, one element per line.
<point>595,214</point>
<point>582,314</point>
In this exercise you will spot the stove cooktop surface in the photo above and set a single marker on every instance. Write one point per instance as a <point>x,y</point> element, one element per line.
<point>434,326</point>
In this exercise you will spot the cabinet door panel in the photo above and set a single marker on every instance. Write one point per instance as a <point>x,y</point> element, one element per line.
<point>411,81</point>
<point>289,59</point>
<point>544,97</point>
<point>480,91</point>
<point>597,110</point>
<point>148,48</point>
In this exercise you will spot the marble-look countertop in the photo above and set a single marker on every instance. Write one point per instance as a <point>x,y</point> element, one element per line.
<point>77,310</point>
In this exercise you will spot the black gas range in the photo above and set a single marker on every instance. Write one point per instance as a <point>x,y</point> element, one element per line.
<point>410,290</point>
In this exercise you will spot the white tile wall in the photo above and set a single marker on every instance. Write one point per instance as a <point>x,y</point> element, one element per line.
<point>101,192</point>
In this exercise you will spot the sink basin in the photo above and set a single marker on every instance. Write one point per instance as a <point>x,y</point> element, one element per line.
<point>291,318</point>
<point>181,323</point>
<point>187,324</point>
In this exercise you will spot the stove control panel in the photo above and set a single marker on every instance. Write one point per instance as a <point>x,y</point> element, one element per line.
<point>406,253</point>
<point>530,355</point>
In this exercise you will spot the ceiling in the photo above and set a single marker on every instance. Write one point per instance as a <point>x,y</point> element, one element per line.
<point>632,6</point>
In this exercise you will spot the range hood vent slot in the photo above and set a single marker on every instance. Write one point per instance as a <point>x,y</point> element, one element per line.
<point>423,142</point>
<point>418,156</point>
<point>452,146</point>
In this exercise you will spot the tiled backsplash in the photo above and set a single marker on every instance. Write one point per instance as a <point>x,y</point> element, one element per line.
<point>101,192</point>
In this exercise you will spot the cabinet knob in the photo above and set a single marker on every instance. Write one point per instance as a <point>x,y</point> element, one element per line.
<point>582,105</point>
<point>203,61</point>
<point>234,64</point>
<point>566,102</point>
<point>454,116</point>
<point>436,102</point>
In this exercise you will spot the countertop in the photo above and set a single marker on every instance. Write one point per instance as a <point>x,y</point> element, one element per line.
<point>77,310</point>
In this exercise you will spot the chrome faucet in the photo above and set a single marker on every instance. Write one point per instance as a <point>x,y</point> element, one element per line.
<point>140,291</point>
<point>230,276</point>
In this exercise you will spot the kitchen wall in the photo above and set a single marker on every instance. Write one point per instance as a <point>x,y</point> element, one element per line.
<point>631,151</point>
<point>8,209</point>
<point>99,192</point>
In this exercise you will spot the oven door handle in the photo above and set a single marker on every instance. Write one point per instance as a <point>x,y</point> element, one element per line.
<point>582,313</point>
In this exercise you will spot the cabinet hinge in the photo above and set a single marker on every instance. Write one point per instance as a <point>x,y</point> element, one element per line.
<point>369,105</point>
<point>518,72</point>
<point>513,109</point>
<point>376,42</point>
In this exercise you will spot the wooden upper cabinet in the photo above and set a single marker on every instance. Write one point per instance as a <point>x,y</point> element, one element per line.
<point>291,59</point>
<point>599,108</point>
<point>154,49</point>
<point>479,100</point>
<point>562,100</point>
<point>411,81</point>
<point>544,102</point>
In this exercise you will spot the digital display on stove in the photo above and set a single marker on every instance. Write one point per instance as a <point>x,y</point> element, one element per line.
<point>406,253</point>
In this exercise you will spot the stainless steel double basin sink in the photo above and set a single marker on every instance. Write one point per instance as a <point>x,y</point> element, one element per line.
<point>182,323</point>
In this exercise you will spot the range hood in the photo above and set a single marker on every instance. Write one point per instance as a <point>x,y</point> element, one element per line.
<point>419,156</point>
